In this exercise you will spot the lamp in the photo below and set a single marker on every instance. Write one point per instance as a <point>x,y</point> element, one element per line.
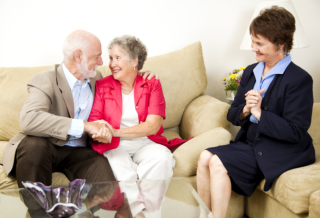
<point>299,37</point>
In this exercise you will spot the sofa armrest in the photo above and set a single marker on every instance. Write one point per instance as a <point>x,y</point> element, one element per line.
<point>314,209</point>
<point>203,114</point>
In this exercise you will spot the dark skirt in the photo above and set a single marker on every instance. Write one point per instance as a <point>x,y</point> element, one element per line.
<point>240,161</point>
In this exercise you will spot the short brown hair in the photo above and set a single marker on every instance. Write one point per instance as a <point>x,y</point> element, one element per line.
<point>133,47</point>
<point>277,25</point>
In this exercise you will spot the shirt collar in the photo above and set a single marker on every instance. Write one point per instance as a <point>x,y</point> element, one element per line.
<point>71,78</point>
<point>279,68</point>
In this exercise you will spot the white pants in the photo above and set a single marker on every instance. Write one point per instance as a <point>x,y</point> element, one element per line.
<point>148,160</point>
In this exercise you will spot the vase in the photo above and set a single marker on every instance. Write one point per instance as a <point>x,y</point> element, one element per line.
<point>232,96</point>
<point>58,202</point>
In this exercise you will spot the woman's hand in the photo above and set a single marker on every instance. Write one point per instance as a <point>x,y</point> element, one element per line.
<point>254,100</point>
<point>113,131</point>
<point>103,136</point>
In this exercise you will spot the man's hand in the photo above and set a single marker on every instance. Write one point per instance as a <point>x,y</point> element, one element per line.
<point>148,74</point>
<point>113,131</point>
<point>92,128</point>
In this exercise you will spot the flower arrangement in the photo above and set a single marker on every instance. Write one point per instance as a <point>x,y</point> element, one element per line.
<point>233,82</point>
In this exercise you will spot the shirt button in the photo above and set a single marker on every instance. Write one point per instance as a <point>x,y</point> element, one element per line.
<point>260,153</point>
<point>258,139</point>
<point>136,106</point>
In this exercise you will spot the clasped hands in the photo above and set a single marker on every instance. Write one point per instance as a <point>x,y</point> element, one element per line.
<point>99,130</point>
<point>253,103</point>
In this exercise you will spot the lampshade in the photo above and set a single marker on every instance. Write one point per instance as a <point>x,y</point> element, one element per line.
<point>299,37</point>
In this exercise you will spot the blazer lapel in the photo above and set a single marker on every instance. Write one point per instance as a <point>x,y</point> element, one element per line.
<point>93,85</point>
<point>65,90</point>
<point>251,82</point>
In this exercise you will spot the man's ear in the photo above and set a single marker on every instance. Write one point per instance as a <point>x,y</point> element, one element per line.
<point>77,56</point>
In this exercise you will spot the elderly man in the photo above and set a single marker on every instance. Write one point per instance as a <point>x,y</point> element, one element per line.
<point>54,119</point>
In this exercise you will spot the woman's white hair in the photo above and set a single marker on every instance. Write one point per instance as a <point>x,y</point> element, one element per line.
<point>79,39</point>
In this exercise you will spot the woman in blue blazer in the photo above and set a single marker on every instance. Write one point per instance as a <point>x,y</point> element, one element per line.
<point>273,106</point>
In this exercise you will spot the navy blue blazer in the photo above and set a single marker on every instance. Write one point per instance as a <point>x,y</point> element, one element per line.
<point>282,141</point>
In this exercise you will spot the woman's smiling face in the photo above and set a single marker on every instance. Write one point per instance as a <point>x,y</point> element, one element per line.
<point>265,50</point>
<point>120,64</point>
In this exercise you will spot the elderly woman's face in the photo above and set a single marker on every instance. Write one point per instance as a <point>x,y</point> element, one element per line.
<point>265,50</point>
<point>119,64</point>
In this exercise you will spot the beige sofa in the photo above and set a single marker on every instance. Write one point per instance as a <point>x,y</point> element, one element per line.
<point>190,113</point>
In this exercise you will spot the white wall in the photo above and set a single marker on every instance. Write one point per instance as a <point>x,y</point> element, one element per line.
<point>32,31</point>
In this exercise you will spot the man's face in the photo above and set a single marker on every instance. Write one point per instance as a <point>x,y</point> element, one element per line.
<point>91,60</point>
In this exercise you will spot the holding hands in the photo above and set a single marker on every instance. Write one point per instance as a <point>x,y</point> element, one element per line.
<point>98,131</point>
<point>253,104</point>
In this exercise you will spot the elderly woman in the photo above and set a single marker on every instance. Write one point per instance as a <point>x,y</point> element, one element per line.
<point>273,106</point>
<point>133,109</point>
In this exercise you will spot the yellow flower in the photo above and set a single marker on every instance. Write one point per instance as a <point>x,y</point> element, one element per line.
<point>233,76</point>
<point>242,68</point>
<point>224,79</point>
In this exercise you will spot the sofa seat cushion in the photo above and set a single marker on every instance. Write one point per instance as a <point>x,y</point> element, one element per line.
<point>294,187</point>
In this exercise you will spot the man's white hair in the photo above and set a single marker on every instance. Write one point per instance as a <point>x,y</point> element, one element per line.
<point>79,39</point>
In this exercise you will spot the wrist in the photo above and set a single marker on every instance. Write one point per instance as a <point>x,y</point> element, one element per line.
<point>86,126</point>
<point>246,110</point>
<point>116,133</point>
<point>257,113</point>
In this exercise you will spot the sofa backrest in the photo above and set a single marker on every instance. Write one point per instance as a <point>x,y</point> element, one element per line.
<point>13,93</point>
<point>182,74</point>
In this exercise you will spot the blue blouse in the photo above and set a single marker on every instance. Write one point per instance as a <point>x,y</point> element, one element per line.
<point>279,68</point>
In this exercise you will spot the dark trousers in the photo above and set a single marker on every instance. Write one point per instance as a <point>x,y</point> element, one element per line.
<point>37,158</point>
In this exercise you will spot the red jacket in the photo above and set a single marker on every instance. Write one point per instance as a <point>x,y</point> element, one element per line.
<point>107,105</point>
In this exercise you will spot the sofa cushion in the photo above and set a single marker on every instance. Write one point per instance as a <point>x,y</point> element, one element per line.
<point>13,86</point>
<point>202,114</point>
<point>184,67</point>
